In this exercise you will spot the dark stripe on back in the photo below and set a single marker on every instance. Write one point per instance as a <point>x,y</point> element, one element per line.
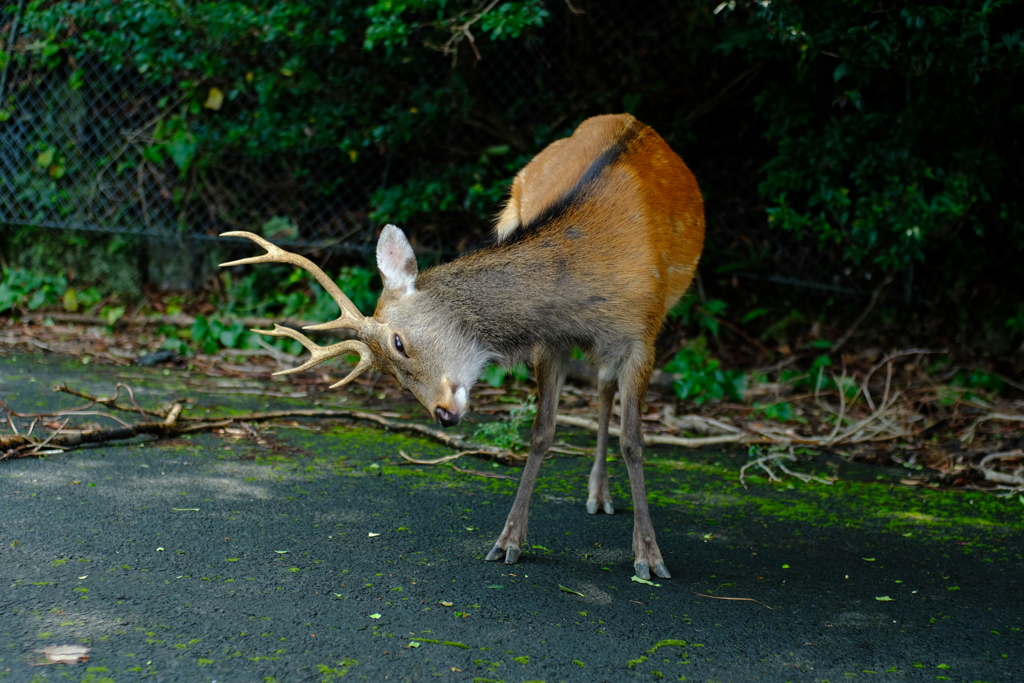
<point>578,193</point>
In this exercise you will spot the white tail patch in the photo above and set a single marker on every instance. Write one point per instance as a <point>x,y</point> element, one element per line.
<point>396,260</point>
<point>508,220</point>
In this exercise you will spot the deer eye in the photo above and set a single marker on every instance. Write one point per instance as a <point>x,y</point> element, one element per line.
<point>399,346</point>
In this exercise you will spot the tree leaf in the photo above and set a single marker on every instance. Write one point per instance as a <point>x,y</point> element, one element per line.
<point>214,99</point>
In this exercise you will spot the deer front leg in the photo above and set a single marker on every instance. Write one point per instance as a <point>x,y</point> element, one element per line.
<point>550,374</point>
<point>598,497</point>
<point>633,387</point>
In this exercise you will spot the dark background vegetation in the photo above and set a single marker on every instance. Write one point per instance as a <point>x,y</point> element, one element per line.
<point>845,149</point>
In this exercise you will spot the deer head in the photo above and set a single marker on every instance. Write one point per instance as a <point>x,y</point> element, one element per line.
<point>410,335</point>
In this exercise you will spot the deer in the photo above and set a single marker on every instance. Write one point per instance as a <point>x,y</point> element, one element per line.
<point>599,238</point>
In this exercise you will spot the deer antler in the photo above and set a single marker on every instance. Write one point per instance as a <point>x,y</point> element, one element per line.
<point>321,353</point>
<point>350,316</point>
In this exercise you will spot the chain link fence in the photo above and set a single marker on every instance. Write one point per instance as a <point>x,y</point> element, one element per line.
<point>73,156</point>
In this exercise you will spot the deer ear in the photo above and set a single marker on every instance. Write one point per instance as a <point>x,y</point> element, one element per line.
<point>396,260</point>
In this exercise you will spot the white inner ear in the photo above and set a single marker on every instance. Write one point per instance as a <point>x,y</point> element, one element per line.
<point>396,260</point>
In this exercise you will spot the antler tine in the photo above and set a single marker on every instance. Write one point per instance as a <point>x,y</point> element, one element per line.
<point>321,353</point>
<point>350,316</point>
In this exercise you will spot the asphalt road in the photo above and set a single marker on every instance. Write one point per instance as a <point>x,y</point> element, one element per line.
<point>301,555</point>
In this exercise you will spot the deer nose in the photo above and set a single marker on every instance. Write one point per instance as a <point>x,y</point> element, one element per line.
<point>446,417</point>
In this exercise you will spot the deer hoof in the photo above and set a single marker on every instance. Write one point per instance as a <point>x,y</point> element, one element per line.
<point>641,569</point>
<point>661,570</point>
<point>593,506</point>
<point>510,554</point>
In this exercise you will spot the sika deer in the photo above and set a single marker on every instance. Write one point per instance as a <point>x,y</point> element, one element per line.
<point>600,237</point>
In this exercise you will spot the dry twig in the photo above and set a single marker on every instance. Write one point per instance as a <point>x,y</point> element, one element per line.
<point>968,435</point>
<point>716,597</point>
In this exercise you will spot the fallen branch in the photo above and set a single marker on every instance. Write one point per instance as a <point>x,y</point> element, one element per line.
<point>16,442</point>
<point>438,461</point>
<point>1016,478</point>
<point>651,439</point>
<point>175,423</point>
<point>776,459</point>
<point>111,402</point>
<point>968,434</point>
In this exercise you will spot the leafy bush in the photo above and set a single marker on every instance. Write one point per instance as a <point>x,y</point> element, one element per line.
<point>893,124</point>
<point>701,379</point>
<point>22,288</point>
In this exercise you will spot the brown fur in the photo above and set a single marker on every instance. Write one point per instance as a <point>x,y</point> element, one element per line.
<point>600,237</point>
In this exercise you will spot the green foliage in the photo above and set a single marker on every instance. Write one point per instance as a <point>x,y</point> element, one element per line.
<point>976,380</point>
<point>29,289</point>
<point>689,310</point>
<point>211,335</point>
<point>887,121</point>
<point>330,90</point>
<point>284,292</point>
<point>103,262</point>
<point>701,379</point>
<point>393,22</point>
<point>782,412</point>
<point>74,298</point>
<point>495,375</point>
<point>505,433</point>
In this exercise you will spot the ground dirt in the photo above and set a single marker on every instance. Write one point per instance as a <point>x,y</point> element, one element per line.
<point>309,550</point>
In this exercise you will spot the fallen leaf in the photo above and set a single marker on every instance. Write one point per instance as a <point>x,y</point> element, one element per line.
<point>375,616</point>
<point>569,590</point>
<point>371,535</point>
<point>885,598</point>
<point>65,654</point>
<point>639,580</point>
<point>413,643</point>
<point>447,604</point>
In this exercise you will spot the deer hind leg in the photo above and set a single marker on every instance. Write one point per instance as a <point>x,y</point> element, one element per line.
<point>550,371</point>
<point>632,388</point>
<point>598,498</point>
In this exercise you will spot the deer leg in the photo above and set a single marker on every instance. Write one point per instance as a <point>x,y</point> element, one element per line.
<point>633,387</point>
<point>598,497</point>
<point>550,375</point>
